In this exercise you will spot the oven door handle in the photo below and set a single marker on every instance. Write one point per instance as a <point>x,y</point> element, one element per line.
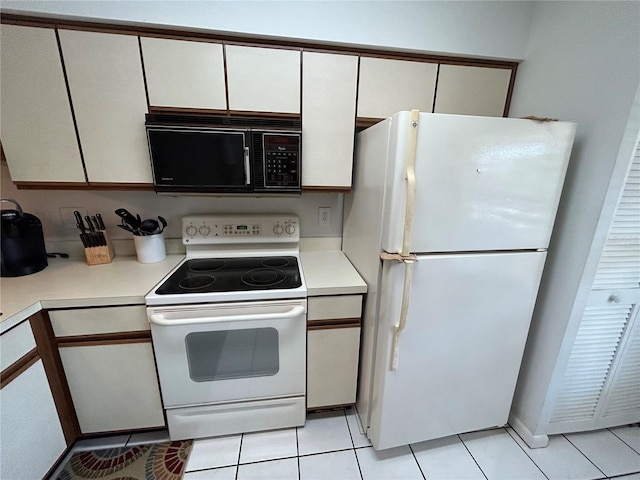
<point>160,319</point>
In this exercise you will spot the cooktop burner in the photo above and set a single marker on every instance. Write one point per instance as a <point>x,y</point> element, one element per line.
<point>208,275</point>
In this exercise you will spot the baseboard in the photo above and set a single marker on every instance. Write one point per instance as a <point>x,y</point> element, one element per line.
<point>533,441</point>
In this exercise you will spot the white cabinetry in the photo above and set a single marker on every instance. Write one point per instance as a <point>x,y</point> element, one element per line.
<point>184,74</point>
<point>38,135</point>
<point>104,72</point>
<point>263,79</point>
<point>32,439</point>
<point>108,361</point>
<point>333,348</point>
<point>329,85</point>
<point>387,86</point>
<point>470,90</point>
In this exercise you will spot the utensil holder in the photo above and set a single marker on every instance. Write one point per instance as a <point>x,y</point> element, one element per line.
<point>101,254</point>
<point>150,248</point>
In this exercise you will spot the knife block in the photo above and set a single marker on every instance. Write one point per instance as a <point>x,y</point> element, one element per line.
<point>101,254</point>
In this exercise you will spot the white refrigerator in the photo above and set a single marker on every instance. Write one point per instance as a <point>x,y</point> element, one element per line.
<point>448,222</point>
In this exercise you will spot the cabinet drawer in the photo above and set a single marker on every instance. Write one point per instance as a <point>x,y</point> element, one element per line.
<point>16,343</point>
<point>89,321</point>
<point>334,307</point>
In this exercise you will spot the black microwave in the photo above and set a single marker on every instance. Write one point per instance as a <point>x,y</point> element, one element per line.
<point>218,156</point>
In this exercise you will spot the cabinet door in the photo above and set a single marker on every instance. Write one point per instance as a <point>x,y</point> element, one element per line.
<point>329,84</point>
<point>107,90</point>
<point>263,79</point>
<point>389,86</point>
<point>113,386</point>
<point>471,90</point>
<point>32,439</point>
<point>38,135</point>
<point>333,349</point>
<point>184,74</point>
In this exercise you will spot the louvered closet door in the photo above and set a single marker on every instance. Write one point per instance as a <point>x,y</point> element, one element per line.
<point>601,386</point>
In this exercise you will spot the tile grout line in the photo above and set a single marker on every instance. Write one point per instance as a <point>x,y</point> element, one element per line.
<point>584,455</point>
<point>622,440</point>
<point>353,444</point>
<point>525,452</point>
<point>472,457</point>
<point>240,453</point>
<point>417,462</point>
<point>298,451</point>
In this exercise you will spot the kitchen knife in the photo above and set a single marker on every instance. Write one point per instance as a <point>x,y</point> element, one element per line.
<point>79,222</point>
<point>88,219</point>
<point>100,222</point>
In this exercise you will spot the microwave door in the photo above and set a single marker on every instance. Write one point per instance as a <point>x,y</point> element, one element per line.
<point>200,160</point>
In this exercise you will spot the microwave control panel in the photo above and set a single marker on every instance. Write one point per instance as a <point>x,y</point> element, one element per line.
<point>281,160</point>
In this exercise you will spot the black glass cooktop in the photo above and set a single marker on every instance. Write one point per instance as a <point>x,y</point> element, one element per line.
<point>208,275</point>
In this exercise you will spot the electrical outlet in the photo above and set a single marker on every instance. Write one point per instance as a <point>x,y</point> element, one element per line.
<point>324,216</point>
<point>68,218</point>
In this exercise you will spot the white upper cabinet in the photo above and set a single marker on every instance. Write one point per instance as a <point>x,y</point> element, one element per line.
<point>468,90</point>
<point>263,79</point>
<point>184,74</point>
<point>329,85</point>
<point>104,72</point>
<point>388,86</point>
<point>38,135</point>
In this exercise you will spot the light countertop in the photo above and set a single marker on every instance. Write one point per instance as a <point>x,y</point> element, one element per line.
<point>329,272</point>
<point>67,283</point>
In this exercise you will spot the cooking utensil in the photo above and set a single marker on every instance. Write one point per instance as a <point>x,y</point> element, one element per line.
<point>163,222</point>
<point>150,226</point>
<point>128,218</point>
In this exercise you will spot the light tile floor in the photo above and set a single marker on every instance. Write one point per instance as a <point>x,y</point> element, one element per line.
<point>331,446</point>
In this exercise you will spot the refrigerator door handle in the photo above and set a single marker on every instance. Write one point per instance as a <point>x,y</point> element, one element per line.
<point>404,310</point>
<point>412,145</point>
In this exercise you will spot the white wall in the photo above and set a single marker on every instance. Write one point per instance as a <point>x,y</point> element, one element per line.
<point>46,205</point>
<point>583,64</point>
<point>497,29</point>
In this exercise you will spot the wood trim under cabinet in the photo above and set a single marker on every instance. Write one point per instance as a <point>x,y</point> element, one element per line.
<point>333,323</point>
<point>117,338</point>
<point>322,188</point>
<point>83,186</point>
<point>48,351</point>
<point>14,370</point>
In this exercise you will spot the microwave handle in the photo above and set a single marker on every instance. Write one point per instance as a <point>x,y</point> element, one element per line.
<point>247,170</point>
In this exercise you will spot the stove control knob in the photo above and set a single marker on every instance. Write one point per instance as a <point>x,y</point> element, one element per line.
<point>290,229</point>
<point>191,230</point>
<point>277,229</point>
<point>204,230</point>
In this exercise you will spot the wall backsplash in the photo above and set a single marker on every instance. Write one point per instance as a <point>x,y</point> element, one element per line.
<point>46,205</point>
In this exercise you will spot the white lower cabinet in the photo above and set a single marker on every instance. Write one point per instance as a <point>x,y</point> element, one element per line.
<point>113,387</point>
<point>108,362</point>
<point>31,437</point>
<point>333,348</point>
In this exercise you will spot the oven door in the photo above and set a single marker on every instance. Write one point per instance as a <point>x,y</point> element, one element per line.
<point>213,353</point>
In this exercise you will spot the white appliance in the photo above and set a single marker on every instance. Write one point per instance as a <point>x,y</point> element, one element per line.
<point>448,222</point>
<point>228,326</point>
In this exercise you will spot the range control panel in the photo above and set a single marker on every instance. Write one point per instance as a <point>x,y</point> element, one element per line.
<point>229,229</point>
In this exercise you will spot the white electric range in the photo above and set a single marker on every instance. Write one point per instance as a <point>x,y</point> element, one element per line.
<point>228,326</point>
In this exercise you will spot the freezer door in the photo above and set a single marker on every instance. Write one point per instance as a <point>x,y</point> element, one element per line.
<point>481,183</point>
<point>460,352</point>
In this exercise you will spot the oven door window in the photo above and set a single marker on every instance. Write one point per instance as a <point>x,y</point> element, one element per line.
<point>230,354</point>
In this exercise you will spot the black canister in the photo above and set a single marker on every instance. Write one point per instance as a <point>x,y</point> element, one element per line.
<point>23,251</point>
